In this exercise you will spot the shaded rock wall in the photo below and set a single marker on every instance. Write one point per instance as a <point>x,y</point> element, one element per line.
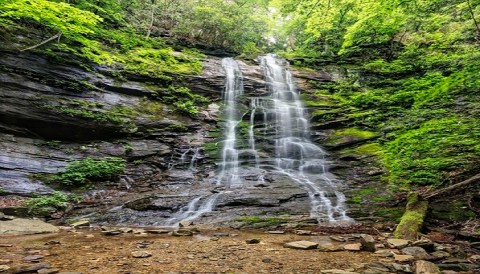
<point>53,113</point>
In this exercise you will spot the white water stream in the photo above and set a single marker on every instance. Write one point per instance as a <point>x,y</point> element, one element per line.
<point>281,119</point>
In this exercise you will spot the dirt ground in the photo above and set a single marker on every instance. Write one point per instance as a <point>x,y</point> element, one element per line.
<point>213,251</point>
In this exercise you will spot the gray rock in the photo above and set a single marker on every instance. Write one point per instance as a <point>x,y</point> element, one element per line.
<point>33,258</point>
<point>301,245</point>
<point>267,260</point>
<point>26,226</point>
<point>338,238</point>
<point>417,252</point>
<point>179,233</point>
<point>426,244</point>
<point>368,243</point>
<point>402,268</point>
<point>29,268</point>
<point>397,243</point>
<point>48,271</point>
<point>185,223</point>
<point>439,255</point>
<point>141,254</point>
<point>330,248</point>
<point>252,241</point>
<point>303,232</point>
<point>276,232</point>
<point>80,223</point>
<point>384,253</point>
<point>4,217</point>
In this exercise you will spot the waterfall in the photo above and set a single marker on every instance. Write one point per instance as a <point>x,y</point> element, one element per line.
<point>295,155</point>
<point>270,136</point>
<point>233,89</point>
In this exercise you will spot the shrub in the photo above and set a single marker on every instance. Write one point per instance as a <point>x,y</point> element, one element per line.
<point>80,172</point>
<point>57,200</point>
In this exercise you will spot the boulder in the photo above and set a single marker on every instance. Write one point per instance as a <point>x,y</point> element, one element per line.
<point>368,243</point>
<point>26,226</point>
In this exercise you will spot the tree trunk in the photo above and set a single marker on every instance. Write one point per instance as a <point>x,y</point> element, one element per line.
<point>412,220</point>
<point>152,19</point>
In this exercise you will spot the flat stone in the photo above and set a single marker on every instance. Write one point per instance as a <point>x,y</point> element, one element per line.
<point>439,255</point>
<point>330,248</point>
<point>141,254</point>
<point>403,258</point>
<point>276,232</point>
<point>303,232</point>
<point>338,238</point>
<point>33,258</point>
<point>368,243</point>
<point>126,229</point>
<point>384,253</point>
<point>301,245</point>
<point>417,252</point>
<point>29,268</point>
<point>48,271</point>
<point>424,267</point>
<point>26,226</point>
<point>425,244</point>
<point>179,233</point>
<point>112,232</point>
<point>460,267</point>
<point>353,247</point>
<point>80,223</point>
<point>397,243</point>
<point>4,268</point>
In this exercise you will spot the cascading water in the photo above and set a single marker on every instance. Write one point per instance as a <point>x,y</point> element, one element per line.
<point>233,89</point>
<point>295,155</point>
<point>271,137</point>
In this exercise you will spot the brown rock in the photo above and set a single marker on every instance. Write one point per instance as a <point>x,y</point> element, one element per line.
<point>368,243</point>
<point>301,245</point>
<point>424,267</point>
<point>353,247</point>
<point>403,258</point>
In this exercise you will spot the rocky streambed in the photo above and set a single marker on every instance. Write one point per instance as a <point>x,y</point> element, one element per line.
<point>82,248</point>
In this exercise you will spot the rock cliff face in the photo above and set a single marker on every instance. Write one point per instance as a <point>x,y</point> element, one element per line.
<point>52,113</point>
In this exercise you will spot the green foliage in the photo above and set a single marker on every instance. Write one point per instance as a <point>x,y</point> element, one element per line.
<point>183,99</point>
<point>81,172</point>
<point>159,63</point>
<point>428,154</point>
<point>61,17</point>
<point>56,200</point>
